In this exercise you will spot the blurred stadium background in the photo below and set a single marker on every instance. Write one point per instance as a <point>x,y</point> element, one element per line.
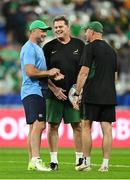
<point>15,17</point>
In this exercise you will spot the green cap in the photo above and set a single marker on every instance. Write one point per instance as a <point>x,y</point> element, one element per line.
<point>38,24</point>
<point>95,26</point>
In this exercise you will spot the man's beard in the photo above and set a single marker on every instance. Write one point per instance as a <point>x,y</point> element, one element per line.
<point>40,41</point>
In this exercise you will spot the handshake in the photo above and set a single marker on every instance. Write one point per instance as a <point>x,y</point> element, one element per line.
<point>55,74</point>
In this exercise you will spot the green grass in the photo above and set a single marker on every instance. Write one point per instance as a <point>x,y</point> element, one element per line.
<point>13,165</point>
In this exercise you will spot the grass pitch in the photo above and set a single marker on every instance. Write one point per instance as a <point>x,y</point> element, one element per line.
<point>13,165</point>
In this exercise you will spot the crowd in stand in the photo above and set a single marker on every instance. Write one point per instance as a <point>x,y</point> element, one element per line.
<point>15,17</point>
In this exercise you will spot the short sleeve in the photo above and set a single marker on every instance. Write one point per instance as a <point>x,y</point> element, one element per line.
<point>29,56</point>
<point>86,58</point>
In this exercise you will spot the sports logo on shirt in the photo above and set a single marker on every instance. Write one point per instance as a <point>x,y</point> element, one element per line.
<point>76,51</point>
<point>53,52</point>
<point>40,115</point>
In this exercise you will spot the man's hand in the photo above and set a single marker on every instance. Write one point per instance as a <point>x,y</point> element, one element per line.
<point>59,93</point>
<point>75,102</point>
<point>58,77</point>
<point>55,74</point>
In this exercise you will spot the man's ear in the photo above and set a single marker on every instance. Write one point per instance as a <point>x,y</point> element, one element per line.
<point>93,32</point>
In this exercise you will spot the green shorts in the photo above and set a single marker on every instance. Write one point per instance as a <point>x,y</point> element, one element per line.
<point>56,110</point>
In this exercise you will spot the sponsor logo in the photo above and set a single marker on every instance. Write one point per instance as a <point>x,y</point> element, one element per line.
<point>40,115</point>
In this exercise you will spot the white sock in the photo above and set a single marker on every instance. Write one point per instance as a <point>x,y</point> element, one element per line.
<point>33,160</point>
<point>105,162</point>
<point>87,160</point>
<point>78,155</point>
<point>54,157</point>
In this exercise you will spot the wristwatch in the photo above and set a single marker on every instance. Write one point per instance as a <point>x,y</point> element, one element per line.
<point>76,94</point>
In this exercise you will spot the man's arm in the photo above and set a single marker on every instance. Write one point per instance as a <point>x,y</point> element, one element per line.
<point>32,71</point>
<point>52,86</point>
<point>82,76</point>
<point>116,77</point>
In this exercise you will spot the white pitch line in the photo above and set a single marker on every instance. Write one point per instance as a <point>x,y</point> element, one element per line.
<point>111,165</point>
<point>67,179</point>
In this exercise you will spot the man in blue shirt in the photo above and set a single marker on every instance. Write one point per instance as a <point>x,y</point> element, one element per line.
<point>33,66</point>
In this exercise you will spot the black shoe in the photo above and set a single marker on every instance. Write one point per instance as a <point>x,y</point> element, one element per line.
<point>80,161</point>
<point>54,166</point>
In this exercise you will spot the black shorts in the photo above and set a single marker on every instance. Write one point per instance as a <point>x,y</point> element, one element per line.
<point>35,108</point>
<point>96,112</point>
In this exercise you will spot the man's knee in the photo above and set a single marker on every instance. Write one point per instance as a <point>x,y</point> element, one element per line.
<point>39,125</point>
<point>86,125</point>
<point>76,127</point>
<point>106,128</point>
<point>53,127</point>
